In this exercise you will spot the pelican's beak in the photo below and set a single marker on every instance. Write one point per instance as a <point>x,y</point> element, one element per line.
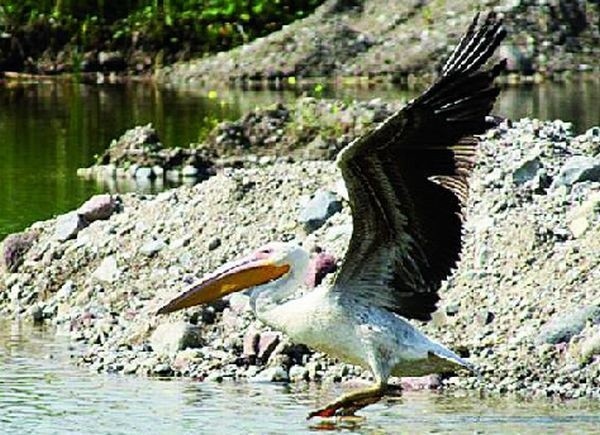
<point>232,277</point>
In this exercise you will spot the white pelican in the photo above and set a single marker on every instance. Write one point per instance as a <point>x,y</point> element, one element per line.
<point>407,185</point>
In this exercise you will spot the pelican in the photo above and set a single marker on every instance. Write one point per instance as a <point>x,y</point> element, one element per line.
<point>407,182</point>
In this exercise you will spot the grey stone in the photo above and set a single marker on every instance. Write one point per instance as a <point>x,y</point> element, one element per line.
<point>162,369</point>
<point>267,343</point>
<point>316,211</point>
<point>239,302</point>
<point>66,290</point>
<point>170,338</point>
<point>152,247</point>
<point>189,171</point>
<point>561,329</point>
<point>214,244</point>
<point>527,170</point>
<point>485,317</point>
<point>272,374</point>
<point>36,312</point>
<point>144,173</point>
<point>578,169</point>
<point>97,207</point>
<point>107,271</point>
<point>298,373</point>
<point>68,225</point>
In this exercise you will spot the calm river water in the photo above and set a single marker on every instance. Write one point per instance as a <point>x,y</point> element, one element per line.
<point>42,393</point>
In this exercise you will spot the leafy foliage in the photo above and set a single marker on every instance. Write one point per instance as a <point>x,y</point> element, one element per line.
<point>197,26</point>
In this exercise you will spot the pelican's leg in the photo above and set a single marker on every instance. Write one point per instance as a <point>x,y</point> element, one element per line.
<point>349,403</point>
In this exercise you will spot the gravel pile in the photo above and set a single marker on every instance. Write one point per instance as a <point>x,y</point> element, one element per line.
<point>140,155</point>
<point>403,40</point>
<point>524,304</point>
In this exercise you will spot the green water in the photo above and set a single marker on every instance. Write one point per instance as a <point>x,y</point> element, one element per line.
<point>41,392</point>
<point>48,130</point>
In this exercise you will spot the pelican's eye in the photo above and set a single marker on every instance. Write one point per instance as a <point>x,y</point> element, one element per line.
<point>264,252</point>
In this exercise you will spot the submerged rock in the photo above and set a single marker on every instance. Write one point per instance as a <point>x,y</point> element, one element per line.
<point>272,374</point>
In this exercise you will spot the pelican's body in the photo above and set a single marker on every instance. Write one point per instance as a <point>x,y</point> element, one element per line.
<point>367,336</point>
<point>407,183</point>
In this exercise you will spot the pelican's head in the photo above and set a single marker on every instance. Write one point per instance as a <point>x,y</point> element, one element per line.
<point>276,264</point>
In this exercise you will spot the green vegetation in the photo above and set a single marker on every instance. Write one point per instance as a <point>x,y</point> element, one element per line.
<point>175,29</point>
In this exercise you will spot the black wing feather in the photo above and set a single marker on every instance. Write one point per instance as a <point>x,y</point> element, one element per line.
<point>407,182</point>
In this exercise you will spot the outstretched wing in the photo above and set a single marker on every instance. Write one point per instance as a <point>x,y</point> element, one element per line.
<point>407,183</point>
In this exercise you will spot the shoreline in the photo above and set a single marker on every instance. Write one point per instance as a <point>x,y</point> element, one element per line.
<point>523,305</point>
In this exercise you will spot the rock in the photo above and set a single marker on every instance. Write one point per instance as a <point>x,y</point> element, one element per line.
<point>98,207</point>
<point>485,317</point>
<point>320,265</point>
<point>239,303</point>
<point>267,342</point>
<point>185,358</point>
<point>14,248</point>
<point>527,170</point>
<point>152,247</point>
<point>250,344</point>
<point>162,369</point>
<point>272,374</point>
<point>130,368</point>
<point>144,173</point>
<point>36,312</point>
<point>170,338</point>
<point>316,211</point>
<point>412,383</point>
<point>578,169</point>
<point>298,373</point>
<point>590,347</point>
<point>452,309</point>
<point>580,219</point>
<point>66,290</point>
<point>112,61</point>
<point>214,244</point>
<point>108,270</point>
<point>158,171</point>
<point>189,171</point>
<point>562,328</point>
<point>68,226</point>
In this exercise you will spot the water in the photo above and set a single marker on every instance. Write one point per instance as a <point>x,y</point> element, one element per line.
<point>41,392</point>
<point>49,129</point>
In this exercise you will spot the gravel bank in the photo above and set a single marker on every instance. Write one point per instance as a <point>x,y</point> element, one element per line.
<point>524,304</point>
<point>400,41</point>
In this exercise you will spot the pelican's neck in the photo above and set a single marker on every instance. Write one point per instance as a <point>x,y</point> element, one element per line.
<point>267,298</point>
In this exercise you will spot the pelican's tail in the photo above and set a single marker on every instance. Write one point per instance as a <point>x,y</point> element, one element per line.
<point>445,354</point>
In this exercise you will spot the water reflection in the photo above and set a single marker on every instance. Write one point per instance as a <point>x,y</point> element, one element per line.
<point>41,392</point>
